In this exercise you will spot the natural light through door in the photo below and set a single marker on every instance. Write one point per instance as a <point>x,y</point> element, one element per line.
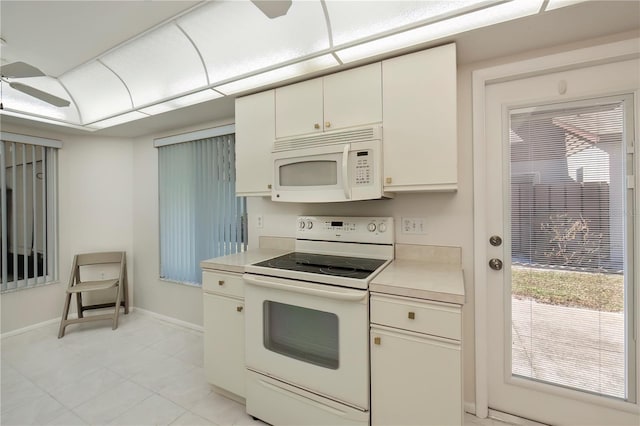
<point>569,251</point>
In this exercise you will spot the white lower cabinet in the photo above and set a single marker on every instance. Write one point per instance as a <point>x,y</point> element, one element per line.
<point>224,362</point>
<point>416,378</point>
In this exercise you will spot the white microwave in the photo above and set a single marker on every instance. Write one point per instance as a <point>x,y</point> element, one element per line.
<point>333,166</point>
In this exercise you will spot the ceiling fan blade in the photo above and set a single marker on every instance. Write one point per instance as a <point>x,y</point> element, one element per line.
<point>43,96</point>
<point>20,69</point>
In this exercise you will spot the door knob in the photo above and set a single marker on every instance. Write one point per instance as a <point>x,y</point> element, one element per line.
<point>495,264</point>
<point>495,240</point>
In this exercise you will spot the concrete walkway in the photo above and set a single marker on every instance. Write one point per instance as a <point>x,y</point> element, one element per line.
<point>579,348</point>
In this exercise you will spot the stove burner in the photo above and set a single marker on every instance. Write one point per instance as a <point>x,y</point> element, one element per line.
<point>342,266</point>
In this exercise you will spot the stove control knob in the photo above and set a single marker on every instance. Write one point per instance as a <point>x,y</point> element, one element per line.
<point>309,224</point>
<point>301,224</point>
<point>371,227</point>
<point>382,227</point>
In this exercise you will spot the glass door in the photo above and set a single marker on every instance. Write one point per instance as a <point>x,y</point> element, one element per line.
<point>571,264</point>
<point>561,239</point>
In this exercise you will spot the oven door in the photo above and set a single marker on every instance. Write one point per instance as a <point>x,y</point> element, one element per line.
<point>309,335</point>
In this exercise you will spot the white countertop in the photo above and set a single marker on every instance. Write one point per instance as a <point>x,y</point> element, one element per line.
<point>236,262</point>
<point>423,280</point>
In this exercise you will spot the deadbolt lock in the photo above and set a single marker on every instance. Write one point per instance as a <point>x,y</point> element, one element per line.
<point>495,240</point>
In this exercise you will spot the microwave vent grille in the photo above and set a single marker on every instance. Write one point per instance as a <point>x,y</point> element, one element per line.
<point>324,139</point>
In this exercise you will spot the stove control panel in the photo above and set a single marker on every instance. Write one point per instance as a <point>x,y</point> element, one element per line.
<point>377,230</point>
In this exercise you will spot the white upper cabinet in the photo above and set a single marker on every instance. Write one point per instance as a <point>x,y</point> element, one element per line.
<point>420,126</point>
<point>255,133</point>
<point>346,99</point>
<point>299,108</point>
<point>353,98</point>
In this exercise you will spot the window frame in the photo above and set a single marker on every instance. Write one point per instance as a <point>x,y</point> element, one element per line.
<point>51,147</point>
<point>193,137</point>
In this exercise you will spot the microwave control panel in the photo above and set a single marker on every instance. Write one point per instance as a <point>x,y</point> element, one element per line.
<point>362,167</point>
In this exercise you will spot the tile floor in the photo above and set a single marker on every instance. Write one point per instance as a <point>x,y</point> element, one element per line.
<point>147,372</point>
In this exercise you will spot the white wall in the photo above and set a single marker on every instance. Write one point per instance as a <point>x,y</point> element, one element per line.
<point>175,300</point>
<point>95,214</point>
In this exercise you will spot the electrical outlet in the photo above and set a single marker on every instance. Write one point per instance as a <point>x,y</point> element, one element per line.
<point>414,225</point>
<point>102,275</point>
<point>259,221</point>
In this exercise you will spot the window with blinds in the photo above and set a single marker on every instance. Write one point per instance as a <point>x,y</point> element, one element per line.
<point>200,216</point>
<point>28,231</point>
<point>571,244</point>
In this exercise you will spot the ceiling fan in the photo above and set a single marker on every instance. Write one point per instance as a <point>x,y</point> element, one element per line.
<point>23,70</point>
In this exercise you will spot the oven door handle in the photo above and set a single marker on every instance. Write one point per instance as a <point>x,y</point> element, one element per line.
<point>337,293</point>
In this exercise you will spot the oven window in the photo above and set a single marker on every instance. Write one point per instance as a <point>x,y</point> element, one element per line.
<point>309,173</point>
<point>304,334</point>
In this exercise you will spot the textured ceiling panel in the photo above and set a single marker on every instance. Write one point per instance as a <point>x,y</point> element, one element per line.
<point>236,38</point>
<point>97,91</point>
<point>350,21</point>
<point>157,66</point>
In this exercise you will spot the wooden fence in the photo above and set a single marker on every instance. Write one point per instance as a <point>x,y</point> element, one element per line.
<point>561,224</point>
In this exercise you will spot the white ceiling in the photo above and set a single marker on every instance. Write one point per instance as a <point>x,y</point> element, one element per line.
<point>60,36</point>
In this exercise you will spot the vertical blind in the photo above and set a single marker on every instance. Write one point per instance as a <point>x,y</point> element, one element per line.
<point>27,201</point>
<point>200,216</point>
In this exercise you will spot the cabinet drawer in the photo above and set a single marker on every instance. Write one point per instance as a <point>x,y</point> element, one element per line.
<point>437,319</point>
<point>223,283</point>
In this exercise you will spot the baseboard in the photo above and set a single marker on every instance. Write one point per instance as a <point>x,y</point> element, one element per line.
<point>29,328</point>
<point>171,320</point>
<point>155,315</point>
<point>470,407</point>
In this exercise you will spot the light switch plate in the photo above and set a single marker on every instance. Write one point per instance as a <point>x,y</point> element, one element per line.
<point>413,225</point>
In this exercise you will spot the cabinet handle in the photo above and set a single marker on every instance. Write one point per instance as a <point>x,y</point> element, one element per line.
<point>269,186</point>
<point>239,308</point>
<point>412,315</point>
<point>221,282</point>
<point>388,180</point>
<point>377,340</point>
<point>316,126</point>
<point>327,124</point>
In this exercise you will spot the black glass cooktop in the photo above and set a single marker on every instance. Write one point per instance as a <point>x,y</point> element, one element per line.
<point>342,266</point>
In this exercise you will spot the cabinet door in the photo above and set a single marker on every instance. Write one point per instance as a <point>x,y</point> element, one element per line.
<point>299,108</point>
<point>414,379</point>
<point>353,97</point>
<point>224,343</point>
<point>420,128</point>
<point>255,133</point>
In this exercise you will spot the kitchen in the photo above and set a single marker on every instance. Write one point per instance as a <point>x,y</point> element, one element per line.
<point>132,212</point>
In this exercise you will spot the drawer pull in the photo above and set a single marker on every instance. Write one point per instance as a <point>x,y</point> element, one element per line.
<point>239,308</point>
<point>220,282</point>
<point>412,315</point>
<point>376,340</point>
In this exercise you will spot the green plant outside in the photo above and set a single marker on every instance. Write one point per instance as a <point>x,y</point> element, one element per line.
<point>597,291</point>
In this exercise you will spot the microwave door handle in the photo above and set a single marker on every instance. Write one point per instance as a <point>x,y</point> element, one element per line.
<point>346,184</point>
